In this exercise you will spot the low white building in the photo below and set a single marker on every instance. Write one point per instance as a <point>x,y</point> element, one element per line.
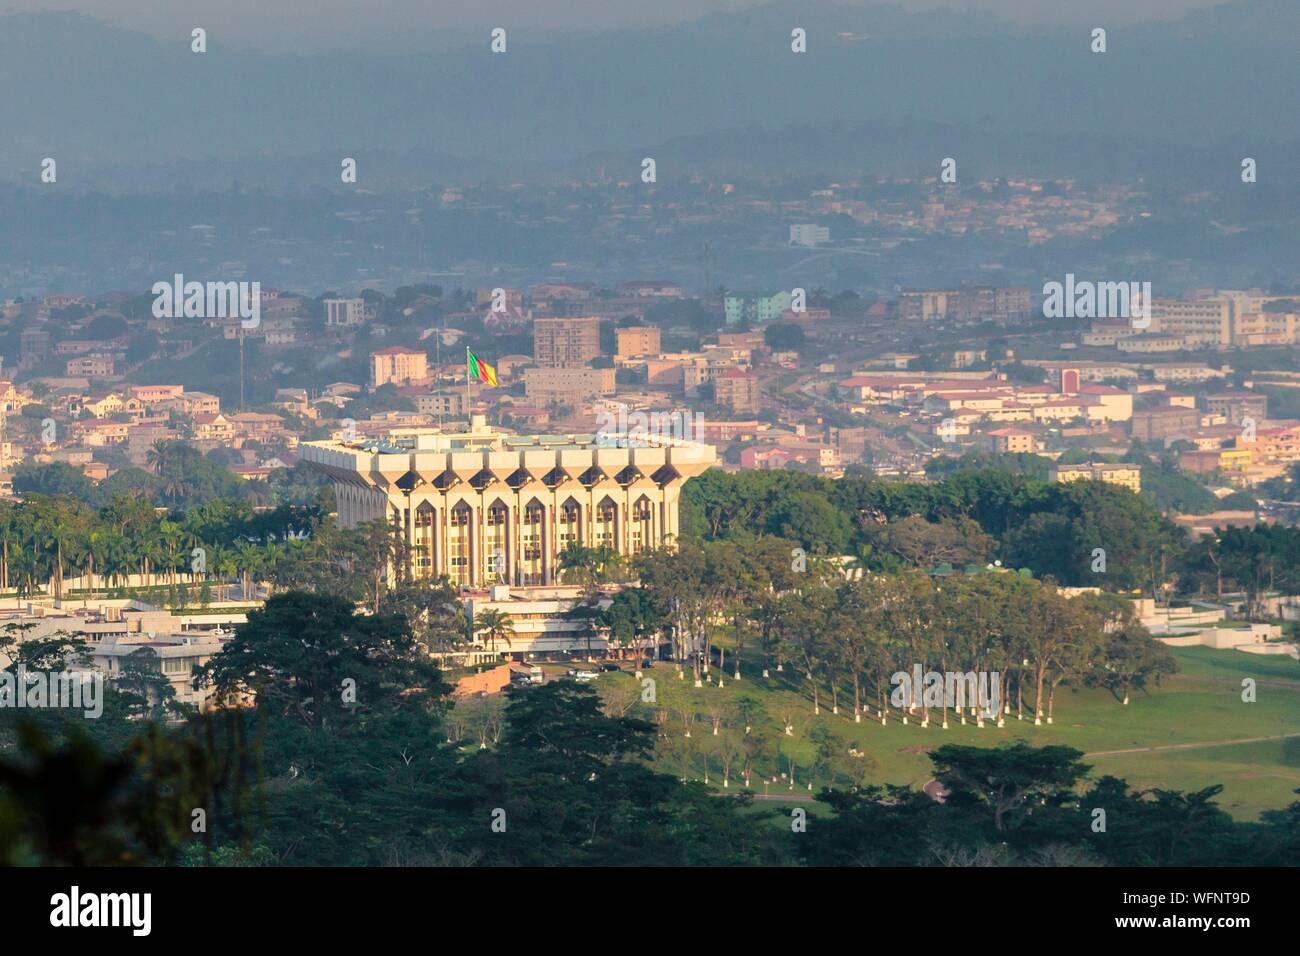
<point>541,628</point>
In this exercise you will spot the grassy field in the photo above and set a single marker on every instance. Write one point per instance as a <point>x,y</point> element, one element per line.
<point>1193,714</point>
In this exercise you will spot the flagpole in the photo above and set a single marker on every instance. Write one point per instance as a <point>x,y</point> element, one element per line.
<point>469,416</point>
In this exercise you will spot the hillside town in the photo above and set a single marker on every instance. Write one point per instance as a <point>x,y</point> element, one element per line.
<point>787,379</point>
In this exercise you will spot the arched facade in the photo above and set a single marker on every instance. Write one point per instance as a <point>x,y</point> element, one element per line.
<point>504,510</point>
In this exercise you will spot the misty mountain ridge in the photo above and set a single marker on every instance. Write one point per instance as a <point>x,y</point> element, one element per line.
<point>101,99</point>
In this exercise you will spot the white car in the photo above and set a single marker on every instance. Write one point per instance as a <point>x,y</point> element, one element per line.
<point>585,675</point>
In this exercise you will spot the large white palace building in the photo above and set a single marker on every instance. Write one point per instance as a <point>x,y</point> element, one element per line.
<point>485,507</point>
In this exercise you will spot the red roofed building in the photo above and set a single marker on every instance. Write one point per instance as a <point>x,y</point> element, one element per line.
<point>214,428</point>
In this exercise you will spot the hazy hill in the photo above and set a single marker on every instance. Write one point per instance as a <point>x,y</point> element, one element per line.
<point>96,97</point>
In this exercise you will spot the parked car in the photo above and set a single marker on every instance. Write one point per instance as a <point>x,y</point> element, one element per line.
<point>610,667</point>
<point>647,664</point>
<point>585,676</point>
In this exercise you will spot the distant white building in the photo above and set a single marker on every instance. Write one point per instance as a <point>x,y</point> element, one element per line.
<point>809,234</point>
<point>542,629</point>
<point>345,312</point>
<point>177,656</point>
<point>114,629</point>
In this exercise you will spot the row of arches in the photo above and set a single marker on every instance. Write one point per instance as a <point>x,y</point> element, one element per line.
<point>505,543</point>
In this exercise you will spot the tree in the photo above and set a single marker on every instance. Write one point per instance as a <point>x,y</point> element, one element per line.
<point>78,804</point>
<point>56,478</point>
<point>634,613</point>
<point>564,719</point>
<point>811,520</point>
<point>1006,780</point>
<point>1131,658</point>
<point>1256,560</point>
<point>590,566</point>
<point>925,544</point>
<point>494,625</point>
<point>784,337</point>
<point>434,612</point>
<point>166,459</point>
<point>141,678</point>
<point>313,659</point>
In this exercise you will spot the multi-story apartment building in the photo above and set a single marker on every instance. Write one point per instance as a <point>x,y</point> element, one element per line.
<point>809,234</point>
<point>91,366</point>
<point>1164,424</point>
<point>1182,372</point>
<point>199,403</point>
<point>1266,328</point>
<point>637,340</point>
<point>1013,441</point>
<point>345,313</point>
<point>1236,407</point>
<point>1201,323</point>
<point>566,342</point>
<point>149,394</point>
<point>1127,476</point>
<point>755,307</point>
<point>449,403</point>
<point>1278,443</point>
<point>33,344</point>
<point>399,365</point>
<point>966,304</point>
<point>1011,303</point>
<point>737,390</point>
<point>484,506</point>
<point>568,385</point>
<point>923,305</point>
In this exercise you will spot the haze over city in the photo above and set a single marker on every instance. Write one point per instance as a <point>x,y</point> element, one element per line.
<point>726,441</point>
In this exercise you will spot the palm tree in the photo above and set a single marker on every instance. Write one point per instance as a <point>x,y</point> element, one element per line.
<point>117,559</point>
<point>22,565</point>
<point>171,534</point>
<point>166,459</point>
<point>249,557</point>
<point>586,612</point>
<point>586,566</point>
<point>57,531</point>
<point>157,456</point>
<point>152,554</point>
<point>273,554</point>
<point>96,545</point>
<point>226,562</point>
<point>578,564</point>
<point>495,624</point>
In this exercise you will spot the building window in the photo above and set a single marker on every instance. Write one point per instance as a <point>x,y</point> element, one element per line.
<point>570,523</point>
<point>642,525</point>
<point>530,567</point>
<point>458,545</point>
<point>606,530</point>
<point>495,569</point>
<point>425,540</point>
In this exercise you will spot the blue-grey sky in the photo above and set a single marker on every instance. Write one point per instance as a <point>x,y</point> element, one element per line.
<point>312,25</point>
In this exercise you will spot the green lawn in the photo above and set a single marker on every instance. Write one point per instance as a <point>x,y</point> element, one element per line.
<point>1200,704</point>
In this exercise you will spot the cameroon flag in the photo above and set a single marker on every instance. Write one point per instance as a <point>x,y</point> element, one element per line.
<point>480,369</point>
